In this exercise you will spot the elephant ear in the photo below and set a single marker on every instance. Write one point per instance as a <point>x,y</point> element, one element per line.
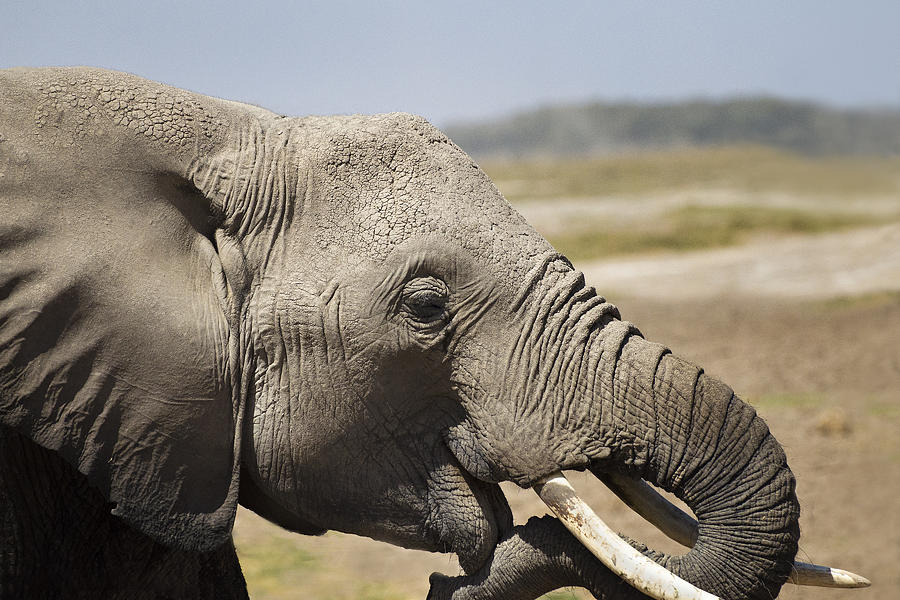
<point>114,312</point>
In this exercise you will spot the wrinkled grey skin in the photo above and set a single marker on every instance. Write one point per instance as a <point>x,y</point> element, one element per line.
<point>338,322</point>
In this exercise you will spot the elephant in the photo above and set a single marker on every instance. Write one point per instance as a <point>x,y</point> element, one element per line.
<point>339,323</point>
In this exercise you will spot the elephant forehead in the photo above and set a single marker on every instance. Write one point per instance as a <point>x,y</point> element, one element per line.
<point>380,180</point>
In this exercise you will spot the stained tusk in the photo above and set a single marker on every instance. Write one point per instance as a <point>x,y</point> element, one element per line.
<point>679,526</point>
<point>625,561</point>
<point>809,574</point>
<point>650,504</point>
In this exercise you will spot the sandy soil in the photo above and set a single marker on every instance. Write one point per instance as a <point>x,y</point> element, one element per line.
<point>806,329</point>
<point>848,263</point>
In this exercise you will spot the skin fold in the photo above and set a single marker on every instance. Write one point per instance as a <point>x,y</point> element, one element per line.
<point>341,324</point>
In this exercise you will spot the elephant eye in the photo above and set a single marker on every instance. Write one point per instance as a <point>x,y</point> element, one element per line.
<point>425,299</point>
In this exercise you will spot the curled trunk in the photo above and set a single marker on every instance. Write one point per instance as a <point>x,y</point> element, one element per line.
<point>601,397</point>
<point>697,440</point>
<point>627,406</point>
<point>624,405</point>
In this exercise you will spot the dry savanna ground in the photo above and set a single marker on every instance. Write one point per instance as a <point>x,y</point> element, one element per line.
<point>779,274</point>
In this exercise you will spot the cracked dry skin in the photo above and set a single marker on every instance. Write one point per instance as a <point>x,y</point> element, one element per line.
<point>340,323</point>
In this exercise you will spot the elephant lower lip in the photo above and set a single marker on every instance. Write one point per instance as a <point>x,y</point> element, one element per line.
<point>495,512</point>
<point>474,537</point>
<point>528,561</point>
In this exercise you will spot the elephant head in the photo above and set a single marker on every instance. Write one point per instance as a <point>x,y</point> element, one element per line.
<point>340,323</point>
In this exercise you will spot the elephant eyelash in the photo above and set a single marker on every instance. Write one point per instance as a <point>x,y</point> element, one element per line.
<point>424,300</point>
<point>427,304</point>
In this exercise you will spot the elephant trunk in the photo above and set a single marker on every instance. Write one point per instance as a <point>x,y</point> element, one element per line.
<point>598,396</point>
<point>529,561</point>
<point>663,420</point>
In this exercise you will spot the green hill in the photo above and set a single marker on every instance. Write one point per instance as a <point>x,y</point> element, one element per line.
<point>602,128</point>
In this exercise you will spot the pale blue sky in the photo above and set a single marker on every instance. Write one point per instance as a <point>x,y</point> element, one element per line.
<point>461,59</point>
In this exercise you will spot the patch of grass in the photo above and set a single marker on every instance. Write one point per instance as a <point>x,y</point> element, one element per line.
<point>560,595</point>
<point>735,220</point>
<point>697,227</point>
<point>871,300</point>
<point>886,409</point>
<point>377,592</point>
<point>273,564</point>
<point>746,168</point>
<point>277,568</point>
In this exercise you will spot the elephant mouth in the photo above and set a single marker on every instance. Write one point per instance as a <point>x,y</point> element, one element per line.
<point>474,537</point>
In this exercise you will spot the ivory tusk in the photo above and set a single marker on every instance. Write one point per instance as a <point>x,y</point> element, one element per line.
<point>625,561</point>
<point>650,504</point>
<point>809,574</point>
<point>679,526</point>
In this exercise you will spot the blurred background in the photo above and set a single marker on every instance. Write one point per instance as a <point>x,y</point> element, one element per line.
<point>727,173</point>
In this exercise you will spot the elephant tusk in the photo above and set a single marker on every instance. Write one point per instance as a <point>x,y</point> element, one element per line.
<point>810,574</point>
<point>620,557</point>
<point>679,526</point>
<point>650,504</point>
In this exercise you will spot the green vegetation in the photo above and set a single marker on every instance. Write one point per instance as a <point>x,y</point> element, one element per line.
<point>561,595</point>
<point>272,564</point>
<point>373,592</point>
<point>750,169</point>
<point>602,128</point>
<point>695,227</point>
<point>883,408</point>
<point>869,301</point>
<point>697,198</point>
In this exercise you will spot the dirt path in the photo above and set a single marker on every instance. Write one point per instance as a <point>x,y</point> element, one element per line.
<point>849,263</point>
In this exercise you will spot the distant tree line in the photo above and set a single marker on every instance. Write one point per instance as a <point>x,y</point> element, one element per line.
<point>601,128</point>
